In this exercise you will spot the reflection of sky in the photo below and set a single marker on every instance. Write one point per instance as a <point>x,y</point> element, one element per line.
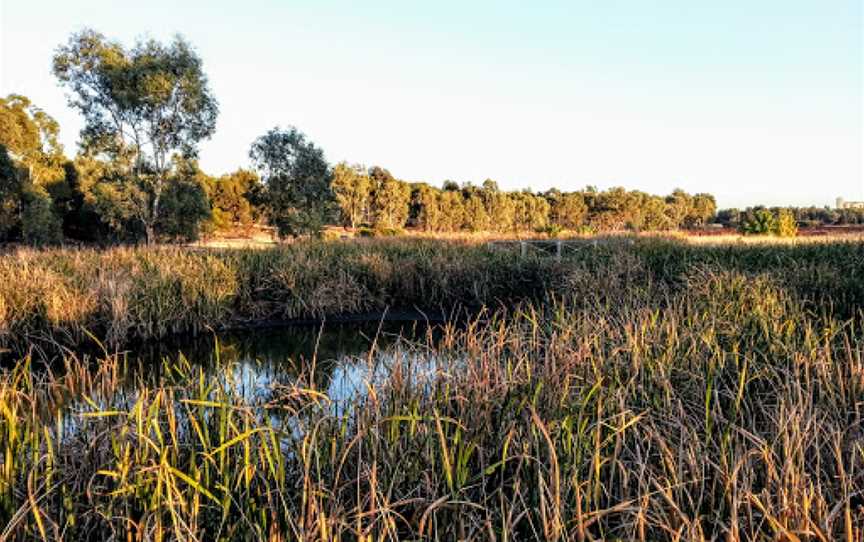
<point>255,365</point>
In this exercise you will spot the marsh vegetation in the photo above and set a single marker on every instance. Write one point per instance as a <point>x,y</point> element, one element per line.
<point>651,390</point>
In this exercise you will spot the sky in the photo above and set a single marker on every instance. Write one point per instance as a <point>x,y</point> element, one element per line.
<point>754,101</point>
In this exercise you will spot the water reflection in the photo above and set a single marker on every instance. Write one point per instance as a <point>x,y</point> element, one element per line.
<point>341,359</point>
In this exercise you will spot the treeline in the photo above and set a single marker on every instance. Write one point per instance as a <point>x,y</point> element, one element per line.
<point>804,216</point>
<point>136,176</point>
<point>374,198</point>
<point>46,197</point>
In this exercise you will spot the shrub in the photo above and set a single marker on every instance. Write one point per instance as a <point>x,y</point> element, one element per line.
<point>550,230</point>
<point>40,226</point>
<point>760,222</point>
<point>329,235</point>
<point>786,225</point>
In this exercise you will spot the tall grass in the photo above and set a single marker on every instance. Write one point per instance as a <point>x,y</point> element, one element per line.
<point>643,399</point>
<point>126,293</point>
<point>138,293</point>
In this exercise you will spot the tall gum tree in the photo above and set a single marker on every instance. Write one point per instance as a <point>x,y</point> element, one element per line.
<point>142,107</point>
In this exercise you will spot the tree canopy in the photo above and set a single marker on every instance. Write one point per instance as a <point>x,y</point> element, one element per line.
<point>143,107</point>
<point>297,181</point>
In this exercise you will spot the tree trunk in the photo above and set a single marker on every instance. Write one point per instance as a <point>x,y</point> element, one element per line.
<point>149,233</point>
<point>150,227</point>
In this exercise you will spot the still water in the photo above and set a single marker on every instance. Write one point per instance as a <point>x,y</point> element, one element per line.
<point>341,360</point>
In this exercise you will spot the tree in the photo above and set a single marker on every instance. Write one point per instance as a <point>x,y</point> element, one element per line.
<point>499,206</point>
<point>31,161</point>
<point>568,210</point>
<point>654,216</point>
<point>678,206</point>
<point>39,224</point>
<point>9,195</point>
<point>107,193</point>
<point>231,198</point>
<point>786,225</point>
<point>450,203</point>
<point>613,210</point>
<point>30,138</point>
<point>142,107</point>
<point>296,176</point>
<point>760,221</point>
<point>390,199</point>
<point>476,217</point>
<point>531,212</point>
<point>425,207</point>
<point>185,205</point>
<point>702,209</point>
<point>352,188</point>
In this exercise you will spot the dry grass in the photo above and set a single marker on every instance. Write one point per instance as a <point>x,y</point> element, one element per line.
<point>124,294</point>
<point>627,408</point>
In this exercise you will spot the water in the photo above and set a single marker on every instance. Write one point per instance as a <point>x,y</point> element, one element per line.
<point>341,359</point>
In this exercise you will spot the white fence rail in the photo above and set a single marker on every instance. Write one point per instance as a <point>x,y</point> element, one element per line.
<point>557,248</point>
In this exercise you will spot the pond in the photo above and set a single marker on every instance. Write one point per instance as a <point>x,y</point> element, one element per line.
<point>340,360</point>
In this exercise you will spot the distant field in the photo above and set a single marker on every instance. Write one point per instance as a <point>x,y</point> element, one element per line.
<point>263,238</point>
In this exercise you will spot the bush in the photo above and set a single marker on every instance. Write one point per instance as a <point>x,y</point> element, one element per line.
<point>381,231</point>
<point>389,232</point>
<point>786,225</point>
<point>329,235</point>
<point>551,230</point>
<point>760,222</point>
<point>40,226</point>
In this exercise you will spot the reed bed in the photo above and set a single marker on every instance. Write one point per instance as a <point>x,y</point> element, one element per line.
<point>660,392</point>
<point>125,294</point>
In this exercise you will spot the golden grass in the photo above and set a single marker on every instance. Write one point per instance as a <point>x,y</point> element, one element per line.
<point>721,409</point>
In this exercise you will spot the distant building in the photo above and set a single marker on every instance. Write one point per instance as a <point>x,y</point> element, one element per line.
<point>843,204</point>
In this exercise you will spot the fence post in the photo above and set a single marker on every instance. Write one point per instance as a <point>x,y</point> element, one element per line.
<point>523,248</point>
<point>558,250</point>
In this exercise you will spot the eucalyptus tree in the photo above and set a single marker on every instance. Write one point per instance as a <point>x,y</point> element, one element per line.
<point>32,164</point>
<point>143,108</point>
<point>30,137</point>
<point>352,188</point>
<point>568,210</point>
<point>299,199</point>
<point>702,210</point>
<point>391,199</point>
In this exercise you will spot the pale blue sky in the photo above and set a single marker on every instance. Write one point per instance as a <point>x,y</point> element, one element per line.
<point>756,101</point>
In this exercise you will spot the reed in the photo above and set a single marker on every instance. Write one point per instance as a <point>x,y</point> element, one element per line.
<point>125,294</point>
<point>657,392</point>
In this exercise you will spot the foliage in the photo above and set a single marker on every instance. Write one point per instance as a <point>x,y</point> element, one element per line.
<point>352,188</point>
<point>299,200</point>
<point>390,199</point>
<point>143,108</point>
<point>30,138</point>
<point>568,210</point>
<point>40,225</point>
<point>185,205</point>
<point>10,195</point>
<point>808,216</point>
<point>786,226</point>
<point>759,222</point>
<point>31,160</point>
<point>233,198</point>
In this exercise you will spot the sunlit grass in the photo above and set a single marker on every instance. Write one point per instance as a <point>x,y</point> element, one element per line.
<point>659,392</point>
